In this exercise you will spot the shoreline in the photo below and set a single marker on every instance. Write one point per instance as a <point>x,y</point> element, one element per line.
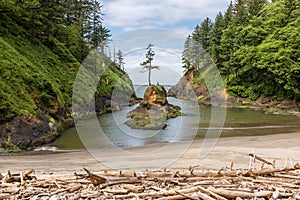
<point>279,147</point>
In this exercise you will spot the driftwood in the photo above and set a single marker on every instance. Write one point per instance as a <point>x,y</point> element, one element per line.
<point>95,179</point>
<point>241,194</point>
<point>190,183</point>
<point>261,159</point>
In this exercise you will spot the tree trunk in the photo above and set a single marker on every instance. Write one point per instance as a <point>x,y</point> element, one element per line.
<point>149,75</point>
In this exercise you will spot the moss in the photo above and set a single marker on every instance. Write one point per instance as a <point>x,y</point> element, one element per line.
<point>10,147</point>
<point>154,110</point>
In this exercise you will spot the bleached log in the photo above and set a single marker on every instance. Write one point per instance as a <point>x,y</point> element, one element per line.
<point>133,188</point>
<point>211,193</point>
<point>116,191</point>
<point>269,171</point>
<point>235,194</point>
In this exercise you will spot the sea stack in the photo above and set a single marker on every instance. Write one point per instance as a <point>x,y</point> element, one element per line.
<point>153,111</point>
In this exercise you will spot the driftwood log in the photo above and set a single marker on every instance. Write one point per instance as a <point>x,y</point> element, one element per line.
<point>190,183</point>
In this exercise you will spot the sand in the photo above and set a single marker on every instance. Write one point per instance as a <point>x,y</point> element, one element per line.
<point>279,147</point>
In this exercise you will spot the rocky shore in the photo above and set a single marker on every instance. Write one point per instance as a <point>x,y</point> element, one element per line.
<point>187,89</point>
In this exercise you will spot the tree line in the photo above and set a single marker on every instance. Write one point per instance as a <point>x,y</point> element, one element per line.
<point>77,24</point>
<point>255,46</point>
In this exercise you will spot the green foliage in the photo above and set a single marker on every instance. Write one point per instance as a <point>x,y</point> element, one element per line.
<point>76,24</point>
<point>10,147</point>
<point>35,77</point>
<point>147,64</point>
<point>202,33</point>
<point>112,77</point>
<point>256,48</point>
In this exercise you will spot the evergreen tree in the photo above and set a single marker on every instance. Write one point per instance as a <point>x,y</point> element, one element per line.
<point>215,39</point>
<point>256,6</point>
<point>202,33</point>
<point>147,64</point>
<point>255,45</point>
<point>120,59</point>
<point>228,15</point>
<point>187,54</point>
<point>240,12</point>
<point>97,34</point>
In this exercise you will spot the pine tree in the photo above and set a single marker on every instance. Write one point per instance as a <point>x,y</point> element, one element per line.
<point>202,33</point>
<point>240,12</point>
<point>228,15</point>
<point>187,54</point>
<point>120,59</point>
<point>147,64</point>
<point>215,39</point>
<point>97,34</point>
<point>255,6</point>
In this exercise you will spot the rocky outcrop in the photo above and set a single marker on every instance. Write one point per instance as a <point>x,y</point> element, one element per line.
<point>186,89</point>
<point>153,111</point>
<point>25,132</point>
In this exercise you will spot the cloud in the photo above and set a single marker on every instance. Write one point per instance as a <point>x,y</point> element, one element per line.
<point>167,46</point>
<point>164,23</point>
<point>135,39</point>
<point>169,61</point>
<point>127,14</point>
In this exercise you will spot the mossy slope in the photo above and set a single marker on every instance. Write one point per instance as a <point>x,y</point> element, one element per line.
<point>36,87</point>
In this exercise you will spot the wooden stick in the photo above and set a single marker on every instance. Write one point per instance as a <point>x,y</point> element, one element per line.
<point>235,194</point>
<point>186,195</point>
<point>260,159</point>
<point>133,188</point>
<point>269,171</point>
<point>211,193</point>
<point>116,191</point>
<point>287,176</point>
<point>204,196</point>
<point>125,181</point>
<point>27,173</point>
<point>75,188</point>
<point>95,179</point>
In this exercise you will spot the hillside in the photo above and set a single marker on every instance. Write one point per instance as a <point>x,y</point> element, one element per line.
<point>255,47</point>
<point>37,85</point>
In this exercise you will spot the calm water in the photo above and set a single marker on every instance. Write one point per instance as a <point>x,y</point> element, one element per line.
<point>110,131</point>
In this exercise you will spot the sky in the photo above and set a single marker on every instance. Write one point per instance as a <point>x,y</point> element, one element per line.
<point>164,23</point>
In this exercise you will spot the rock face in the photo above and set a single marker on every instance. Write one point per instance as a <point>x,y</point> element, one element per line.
<point>186,89</point>
<point>153,111</point>
<point>27,131</point>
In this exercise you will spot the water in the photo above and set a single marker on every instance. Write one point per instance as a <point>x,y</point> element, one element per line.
<point>109,130</point>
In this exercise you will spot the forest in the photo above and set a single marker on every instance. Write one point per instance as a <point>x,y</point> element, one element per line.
<point>76,24</point>
<point>42,45</point>
<point>254,45</point>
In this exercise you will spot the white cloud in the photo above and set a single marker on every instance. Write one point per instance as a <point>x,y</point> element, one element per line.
<point>127,14</point>
<point>139,39</point>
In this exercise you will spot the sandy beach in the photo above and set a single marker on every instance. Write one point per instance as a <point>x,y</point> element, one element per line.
<point>279,147</point>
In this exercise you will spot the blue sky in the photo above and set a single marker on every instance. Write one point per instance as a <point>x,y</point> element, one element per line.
<point>165,23</point>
